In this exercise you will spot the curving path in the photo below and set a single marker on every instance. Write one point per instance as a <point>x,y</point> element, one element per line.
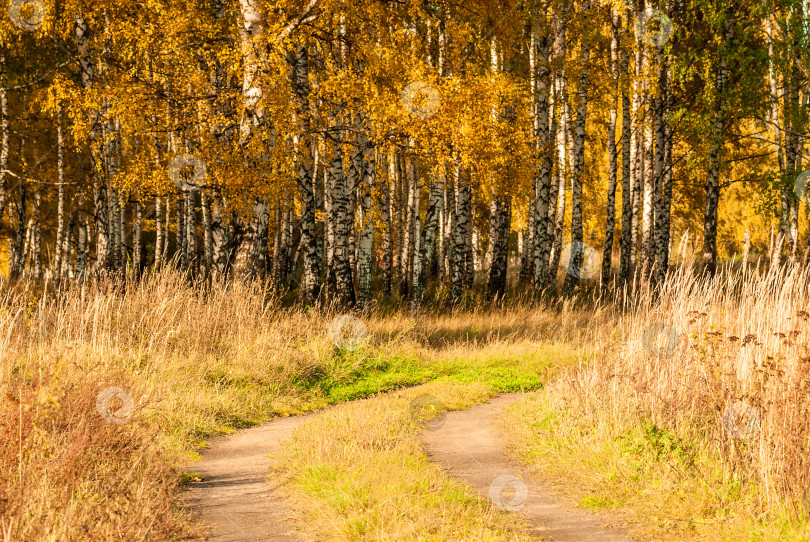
<point>470,448</point>
<point>236,500</point>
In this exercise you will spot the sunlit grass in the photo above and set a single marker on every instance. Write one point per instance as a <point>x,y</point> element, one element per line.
<point>358,472</point>
<point>642,427</point>
<point>198,361</point>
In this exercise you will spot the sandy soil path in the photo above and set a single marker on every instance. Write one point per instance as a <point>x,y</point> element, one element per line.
<point>235,499</point>
<point>468,445</point>
<point>238,502</point>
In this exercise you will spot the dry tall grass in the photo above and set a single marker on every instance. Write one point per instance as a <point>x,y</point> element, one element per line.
<point>195,360</point>
<point>718,371</point>
<point>736,338</point>
<point>198,360</point>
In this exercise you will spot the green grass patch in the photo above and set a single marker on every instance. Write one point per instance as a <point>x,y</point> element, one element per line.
<point>663,485</point>
<point>358,472</point>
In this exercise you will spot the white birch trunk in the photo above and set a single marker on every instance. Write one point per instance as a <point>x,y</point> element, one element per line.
<point>572,279</point>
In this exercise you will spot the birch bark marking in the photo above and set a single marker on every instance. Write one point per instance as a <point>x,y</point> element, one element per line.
<point>36,237</point>
<point>543,147</point>
<point>636,146</point>
<point>663,179</point>
<point>610,215</point>
<point>428,236</point>
<point>252,33</point>
<point>627,171</point>
<point>60,205</point>
<point>342,196</point>
<point>562,128</point>
<point>4,131</point>
<point>310,285</point>
<point>138,254</point>
<point>460,224</point>
<point>386,211</point>
<point>82,34</point>
<point>16,257</point>
<point>713,175</point>
<point>773,80</point>
<point>572,279</point>
<point>160,235</point>
<point>366,164</point>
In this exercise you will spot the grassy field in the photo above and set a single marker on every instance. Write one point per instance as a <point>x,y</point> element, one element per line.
<point>691,421</point>
<point>631,410</point>
<point>197,361</point>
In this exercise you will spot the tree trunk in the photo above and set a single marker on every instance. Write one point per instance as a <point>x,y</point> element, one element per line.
<point>746,249</point>
<point>4,131</point>
<point>365,166</point>
<point>460,227</point>
<point>410,227</point>
<point>572,279</point>
<point>627,171</point>
<point>60,199</point>
<point>252,258</point>
<point>386,211</point>
<point>663,179</point>
<point>329,219</point>
<point>192,256</point>
<point>16,253</point>
<point>542,44</point>
<point>99,188</point>
<point>120,234</point>
<point>649,174</point>
<point>500,225</point>
<point>342,196</point>
<point>64,271</point>
<point>610,218</point>
<point>713,175</point>
<point>160,234</point>
<point>559,220</point>
<point>138,253</point>
<point>207,233</point>
<point>220,239</point>
<point>427,241</point>
<point>636,148</point>
<point>450,218</point>
<point>310,278</point>
<point>36,238</point>
<point>180,236</point>
<point>785,196</point>
<point>82,250</point>
<point>792,147</point>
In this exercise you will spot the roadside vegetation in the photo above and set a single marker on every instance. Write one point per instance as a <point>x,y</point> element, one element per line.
<point>195,361</point>
<point>684,414</point>
<point>691,420</point>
